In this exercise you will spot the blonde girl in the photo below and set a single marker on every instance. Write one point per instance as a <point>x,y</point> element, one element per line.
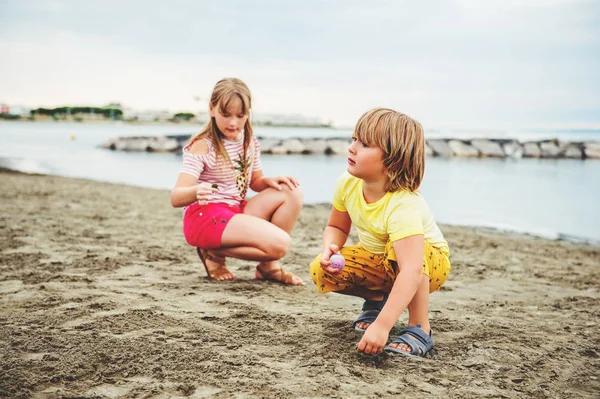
<point>219,164</point>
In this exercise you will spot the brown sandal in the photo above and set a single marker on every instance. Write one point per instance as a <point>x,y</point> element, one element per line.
<point>287,277</point>
<point>219,271</point>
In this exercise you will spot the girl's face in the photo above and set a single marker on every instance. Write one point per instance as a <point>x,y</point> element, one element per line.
<point>365,162</point>
<point>231,122</point>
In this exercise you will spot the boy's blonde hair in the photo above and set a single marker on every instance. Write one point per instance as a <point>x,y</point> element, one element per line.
<point>225,92</point>
<point>403,143</point>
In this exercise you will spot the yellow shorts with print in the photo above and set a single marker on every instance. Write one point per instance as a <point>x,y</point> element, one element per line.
<point>377,272</point>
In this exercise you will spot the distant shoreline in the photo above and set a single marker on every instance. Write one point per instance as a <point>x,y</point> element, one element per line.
<point>157,123</point>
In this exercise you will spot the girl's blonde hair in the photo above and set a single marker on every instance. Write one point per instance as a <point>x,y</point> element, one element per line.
<point>227,91</point>
<point>403,143</point>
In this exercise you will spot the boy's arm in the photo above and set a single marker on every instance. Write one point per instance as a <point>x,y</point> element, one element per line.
<point>334,237</point>
<point>409,254</point>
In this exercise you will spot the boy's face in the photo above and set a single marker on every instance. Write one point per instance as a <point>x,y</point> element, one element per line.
<point>365,161</point>
<point>231,122</point>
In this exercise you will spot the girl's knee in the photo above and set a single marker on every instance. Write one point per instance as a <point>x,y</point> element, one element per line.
<point>295,196</point>
<point>277,247</point>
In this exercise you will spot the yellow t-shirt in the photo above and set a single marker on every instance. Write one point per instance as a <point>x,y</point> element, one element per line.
<point>395,216</point>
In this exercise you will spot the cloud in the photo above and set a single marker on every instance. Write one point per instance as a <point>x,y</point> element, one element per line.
<point>450,64</point>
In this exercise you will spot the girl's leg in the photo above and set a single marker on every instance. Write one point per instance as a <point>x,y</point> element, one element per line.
<point>282,208</point>
<point>252,238</point>
<point>262,232</point>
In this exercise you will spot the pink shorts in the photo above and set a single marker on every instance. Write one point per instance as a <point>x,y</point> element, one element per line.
<point>203,226</point>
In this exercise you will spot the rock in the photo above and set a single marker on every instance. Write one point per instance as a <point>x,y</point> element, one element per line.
<point>462,149</point>
<point>315,146</point>
<point>109,145</point>
<point>488,148</point>
<point>532,150</point>
<point>337,146</point>
<point>592,150</point>
<point>549,149</point>
<point>162,144</point>
<point>132,144</point>
<point>291,146</point>
<point>513,149</point>
<point>428,151</point>
<point>440,148</point>
<point>266,144</point>
<point>573,152</point>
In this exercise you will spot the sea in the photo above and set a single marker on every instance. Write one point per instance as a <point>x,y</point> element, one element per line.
<point>551,198</point>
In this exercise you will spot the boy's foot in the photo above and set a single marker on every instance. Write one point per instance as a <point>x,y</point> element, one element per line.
<point>413,340</point>
<point>215,266</point>
<point>370,311</point>
<point>277,274</point>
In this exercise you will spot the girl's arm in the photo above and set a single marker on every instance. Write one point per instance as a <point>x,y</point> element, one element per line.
<point>334,237</point>
<point>259,182</point>
<point>186,191</point>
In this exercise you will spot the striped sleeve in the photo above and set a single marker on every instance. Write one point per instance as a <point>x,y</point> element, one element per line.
<point>192,164</point>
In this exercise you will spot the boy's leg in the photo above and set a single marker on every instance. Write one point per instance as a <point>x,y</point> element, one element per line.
<point>364,275</point>
<point>418,311</point>
<point>436,268</point>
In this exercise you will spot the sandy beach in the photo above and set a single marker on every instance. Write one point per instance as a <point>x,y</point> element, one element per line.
<point>102,297</point>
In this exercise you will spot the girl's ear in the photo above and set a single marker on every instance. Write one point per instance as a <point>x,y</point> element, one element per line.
<point>211,110</point>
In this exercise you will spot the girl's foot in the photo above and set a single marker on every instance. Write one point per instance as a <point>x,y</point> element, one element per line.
<point>215,266</point>
<point>277,274</point>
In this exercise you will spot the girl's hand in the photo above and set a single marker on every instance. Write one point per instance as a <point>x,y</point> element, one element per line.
<point>276,182</point>
<point>374,340</point>
<point>203,191</point>
<point>326,263</point>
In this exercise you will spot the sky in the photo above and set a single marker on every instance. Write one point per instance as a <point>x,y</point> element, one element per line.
<point>450,64</point>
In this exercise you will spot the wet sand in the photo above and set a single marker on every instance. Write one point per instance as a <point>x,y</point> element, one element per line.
<point>102,297</point>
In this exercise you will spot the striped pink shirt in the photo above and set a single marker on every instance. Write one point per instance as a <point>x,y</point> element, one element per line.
<point>232,178</point>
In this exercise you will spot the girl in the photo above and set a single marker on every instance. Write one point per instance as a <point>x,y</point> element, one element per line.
<point>219,164</point>
<point>402,255</point>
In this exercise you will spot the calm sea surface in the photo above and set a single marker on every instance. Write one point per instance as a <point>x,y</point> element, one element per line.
<point>551,198</point>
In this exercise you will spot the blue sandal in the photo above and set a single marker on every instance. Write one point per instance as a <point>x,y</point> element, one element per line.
<point>419,342</point>
<point>370,311</point>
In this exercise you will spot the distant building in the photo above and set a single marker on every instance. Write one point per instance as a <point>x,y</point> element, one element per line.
<point>287,120</point>
<point>20,110</point>
<point>146,115</point>
<point>202,116</point>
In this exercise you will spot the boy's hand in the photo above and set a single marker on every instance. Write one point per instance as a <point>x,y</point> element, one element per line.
<point>374,340</point>
<point>203,191</point>
<point>325,262</point>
